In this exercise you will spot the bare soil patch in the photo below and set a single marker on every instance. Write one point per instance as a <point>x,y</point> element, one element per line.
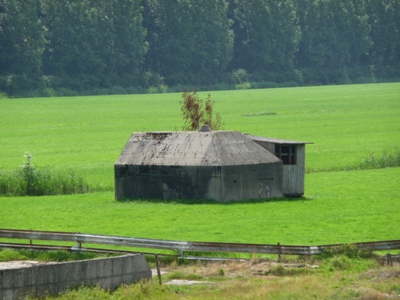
<point>17,264</point>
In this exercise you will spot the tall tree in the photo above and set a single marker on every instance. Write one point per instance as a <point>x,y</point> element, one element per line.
<point>266,36</point>
<point>384,19</point>
<point>21,37</point>
<point>101,41</point>
<point>190,41</point>
<point>69,51</point>
<point>120,36</point>
<point>335,36</point>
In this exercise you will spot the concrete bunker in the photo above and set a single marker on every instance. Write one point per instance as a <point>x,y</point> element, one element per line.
<point>219,165</point>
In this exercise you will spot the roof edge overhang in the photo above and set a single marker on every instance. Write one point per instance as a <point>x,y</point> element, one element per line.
<point>120,164</point>
<point>276,141</point>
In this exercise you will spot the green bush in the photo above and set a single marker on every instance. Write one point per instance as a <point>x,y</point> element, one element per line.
<point>240,76</point>
<point>243,86</point>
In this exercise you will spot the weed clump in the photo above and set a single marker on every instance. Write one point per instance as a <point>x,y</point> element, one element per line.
<point>348,257</point>
<point>183,276</point>
<point>281,271</point>
<point>387,159</point>
<point>349,251</point>
<point>197,112</point>
<point>339,263</point>
<point>30,181</point>
<point>57,255</point>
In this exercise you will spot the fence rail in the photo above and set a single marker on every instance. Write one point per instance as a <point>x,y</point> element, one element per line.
<point>180,246</point>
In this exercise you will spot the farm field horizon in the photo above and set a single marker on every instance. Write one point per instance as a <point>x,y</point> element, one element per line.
<point>347,124</point>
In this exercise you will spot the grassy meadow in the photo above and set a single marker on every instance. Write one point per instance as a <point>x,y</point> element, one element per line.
<point>336,213</point>
<point>347,124</point>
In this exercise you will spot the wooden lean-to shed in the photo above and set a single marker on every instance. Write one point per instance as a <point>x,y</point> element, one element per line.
<point>292,154</point>
<point>220,165</point>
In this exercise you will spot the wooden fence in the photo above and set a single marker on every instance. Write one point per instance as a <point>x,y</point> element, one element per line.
<point>181,247</point>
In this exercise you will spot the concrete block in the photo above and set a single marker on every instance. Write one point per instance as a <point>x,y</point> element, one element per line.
<point>107,273</point>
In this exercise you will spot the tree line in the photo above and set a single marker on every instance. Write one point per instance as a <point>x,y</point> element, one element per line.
<point>110,46</point>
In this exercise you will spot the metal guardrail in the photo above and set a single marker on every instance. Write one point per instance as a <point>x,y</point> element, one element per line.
<point>183,246</point>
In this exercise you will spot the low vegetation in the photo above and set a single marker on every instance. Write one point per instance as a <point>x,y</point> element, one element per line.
<point>338,276</point>
<point>58,255</point>
<point>197,112</point>
<point>31,181</point>
<point>388,158</point>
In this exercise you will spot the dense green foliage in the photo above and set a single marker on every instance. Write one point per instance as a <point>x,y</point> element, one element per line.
<point>266,39</point>
<point>190,41</point>
<point>110,46</point>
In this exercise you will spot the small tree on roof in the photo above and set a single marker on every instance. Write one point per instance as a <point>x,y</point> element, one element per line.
<point>197,112</point>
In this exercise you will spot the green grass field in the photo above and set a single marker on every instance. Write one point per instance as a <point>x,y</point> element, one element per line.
<point>346,123</point>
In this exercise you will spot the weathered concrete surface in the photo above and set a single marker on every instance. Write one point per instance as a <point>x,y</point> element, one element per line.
<point>193,148</point>
<point>220,165</point>
<point>107,273</point>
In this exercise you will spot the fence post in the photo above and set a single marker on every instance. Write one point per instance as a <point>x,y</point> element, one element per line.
<point>279,252</point>
<point>158,270</point>
<point>389,259</point>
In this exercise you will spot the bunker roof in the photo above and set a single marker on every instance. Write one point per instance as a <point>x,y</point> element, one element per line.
<point>193,148</point>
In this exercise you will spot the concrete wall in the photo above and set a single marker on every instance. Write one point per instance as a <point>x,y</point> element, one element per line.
<point>107,273</point>
<point>251,182</point>
<point>163,182</point>
<point>226,183</point>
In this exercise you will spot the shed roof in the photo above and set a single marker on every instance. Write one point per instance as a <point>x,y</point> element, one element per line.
<point>276,141</point>
<point>189,148</point>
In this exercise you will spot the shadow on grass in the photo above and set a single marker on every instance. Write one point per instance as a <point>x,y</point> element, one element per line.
<point>215,202</point>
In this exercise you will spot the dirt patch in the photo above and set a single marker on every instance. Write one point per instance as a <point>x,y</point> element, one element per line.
<point>186,282</point>
<point>382,274</point>
<point>229,269</point>
<point>17,264</point>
